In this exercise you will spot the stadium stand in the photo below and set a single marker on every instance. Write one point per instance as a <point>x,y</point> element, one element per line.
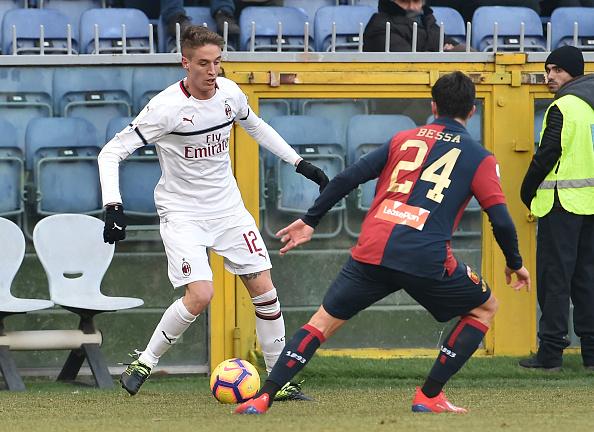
<point>508,19</point>
<point>73,9</point>
<point>25,93</point>
<point>27,24</point>
<point>62,154</point>
<point>75,259</point>
<point>11,258</point>
<point>5,6</point>
<point>563,21</point>
<point>198,14</point>
<point>538,119</point>
<point>97,94</point>
<point>110,24</point>
<point>147,81</point>
<point>350,21</point>
<point>453,23</point>
<point>11,171</point>
<point>267,19</point>
<point>139,174</point>
<point>338,111</point>
<point>310,7</point>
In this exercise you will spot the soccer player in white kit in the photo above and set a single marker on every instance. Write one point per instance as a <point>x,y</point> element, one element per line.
<point>197,198</point>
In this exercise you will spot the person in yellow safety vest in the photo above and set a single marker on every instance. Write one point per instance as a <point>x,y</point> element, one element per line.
<point>559,188</point>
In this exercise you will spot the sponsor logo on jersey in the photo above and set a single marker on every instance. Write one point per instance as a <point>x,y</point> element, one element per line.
<point>213,147</point>
<point>228,111</point>
<point>473,276</point>
<point>189,119</point>
<point>185,268</point>
<point>402,214</point>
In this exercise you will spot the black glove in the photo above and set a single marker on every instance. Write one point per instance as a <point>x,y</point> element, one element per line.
<point>313,173</point>
<point>115,224</point>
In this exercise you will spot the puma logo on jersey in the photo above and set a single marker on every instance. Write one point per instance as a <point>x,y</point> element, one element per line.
<point>191,120</point>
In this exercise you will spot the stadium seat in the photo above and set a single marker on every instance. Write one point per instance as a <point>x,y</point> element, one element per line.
<point>338,111</point>
<point>562,25</point>
<point>11,171</point>
<point>200,15</point>
<point>509,19</point>
<point>110,24</point>
<point>27,23</point>
<point>73,9</point>
<point>97,94</point>
<point>25,93</point>
<point>75,259</point>
<point>147,81</point>
<point>350,21</point>
<point>538,125</point>
<point>310,7</point>
<point>474,125</point>
<point>270,108</point>
<point>5,6</point>
<point>139,174</point>
<point>453,22</point>
<point>314,138</point>
<point>13,252</point>
<point>62,153</point>
<point>366,133</point>
<point>266,20</point>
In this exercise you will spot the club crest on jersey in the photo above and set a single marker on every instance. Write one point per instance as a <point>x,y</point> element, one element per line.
<point>185,268</point>
<point>473,276</point>
<point>228,111</point>
<point>402,214</point>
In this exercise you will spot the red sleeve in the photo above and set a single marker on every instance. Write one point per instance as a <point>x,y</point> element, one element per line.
<point>486,186</point>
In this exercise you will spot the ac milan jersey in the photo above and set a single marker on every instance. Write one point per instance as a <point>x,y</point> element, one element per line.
<point>191,137</point>
<point>426,177</point>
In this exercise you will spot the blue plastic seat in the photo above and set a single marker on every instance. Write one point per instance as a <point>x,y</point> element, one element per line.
<point>562,22</point>
<point>5,6</point>
<point>508,19</point>
<point>139,174</point>
<point>97,94</point>
<point>110,24</point>
<point>453,22</point>
<point>147,81</point>
<point>200,15</point>
<point>474,125</point>
<point>73,9</point>
<point>538,125</point>
<point>25,93</point>
<point>338,111</point>
<point>62,153</point>
<point>310,7</point>
<point>266,19</point>
<point>350,21</point>
<point>27,23</point>
<point>366,133</point>
<point>11,171</point>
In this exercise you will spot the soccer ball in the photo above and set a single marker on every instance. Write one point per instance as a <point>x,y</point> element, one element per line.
<point>234,381</point>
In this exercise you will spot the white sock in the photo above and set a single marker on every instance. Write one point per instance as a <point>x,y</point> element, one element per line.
<point>173,324</point>
<point>270,327</point>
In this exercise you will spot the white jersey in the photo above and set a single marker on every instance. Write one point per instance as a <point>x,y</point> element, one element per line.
<point>192,141</point>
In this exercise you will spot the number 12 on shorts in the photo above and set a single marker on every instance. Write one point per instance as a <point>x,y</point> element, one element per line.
<point>250,240</point>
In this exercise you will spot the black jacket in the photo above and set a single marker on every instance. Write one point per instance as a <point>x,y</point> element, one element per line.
<point>401,29</point>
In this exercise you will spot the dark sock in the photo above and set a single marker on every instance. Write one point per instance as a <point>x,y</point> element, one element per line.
<point>297,352</point>
<point>431,388</point>
<point>458,347</point>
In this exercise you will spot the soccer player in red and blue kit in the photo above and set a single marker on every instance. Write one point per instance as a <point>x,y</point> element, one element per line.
<point>426,177</point>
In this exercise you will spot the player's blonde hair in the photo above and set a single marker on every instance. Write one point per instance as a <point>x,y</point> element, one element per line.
<point>195,36</point>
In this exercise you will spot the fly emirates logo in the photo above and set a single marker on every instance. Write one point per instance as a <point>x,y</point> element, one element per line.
<point>215,144</point>
<point>402,214</point>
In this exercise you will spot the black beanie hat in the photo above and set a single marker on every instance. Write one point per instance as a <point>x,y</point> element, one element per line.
<point>568,58</point>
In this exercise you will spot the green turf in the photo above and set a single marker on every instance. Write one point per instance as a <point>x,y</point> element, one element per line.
<point>351,395</point>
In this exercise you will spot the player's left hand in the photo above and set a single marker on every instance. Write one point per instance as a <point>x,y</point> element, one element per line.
<point>313,173</point>
<point>523,278</point>
<point>294,235</point>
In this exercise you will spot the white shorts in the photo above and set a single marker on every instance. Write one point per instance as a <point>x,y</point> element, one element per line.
<point>236,238</point>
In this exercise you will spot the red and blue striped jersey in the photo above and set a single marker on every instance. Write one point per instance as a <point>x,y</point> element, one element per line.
<point>426,177</point>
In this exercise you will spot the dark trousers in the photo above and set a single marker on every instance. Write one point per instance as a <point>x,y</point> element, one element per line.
<point>565,269</point>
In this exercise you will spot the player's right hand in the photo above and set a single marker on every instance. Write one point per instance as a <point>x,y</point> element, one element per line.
<point>115,223</point>
<point>294,235</point>
<point>523,278</point>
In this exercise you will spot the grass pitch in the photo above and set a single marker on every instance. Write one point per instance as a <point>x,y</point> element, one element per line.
<point>350,395</point>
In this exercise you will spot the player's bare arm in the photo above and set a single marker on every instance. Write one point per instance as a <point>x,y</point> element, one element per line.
<point>294,235</point>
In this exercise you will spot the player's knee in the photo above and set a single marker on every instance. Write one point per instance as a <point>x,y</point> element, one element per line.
<point>198,298</point>
<point>487,310</point>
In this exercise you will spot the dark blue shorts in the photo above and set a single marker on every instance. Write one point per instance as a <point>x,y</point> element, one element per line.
<point>359,285</point>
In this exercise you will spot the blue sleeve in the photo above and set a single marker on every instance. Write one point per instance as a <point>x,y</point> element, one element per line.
<point>505,235</point>
<point>368,167</point>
